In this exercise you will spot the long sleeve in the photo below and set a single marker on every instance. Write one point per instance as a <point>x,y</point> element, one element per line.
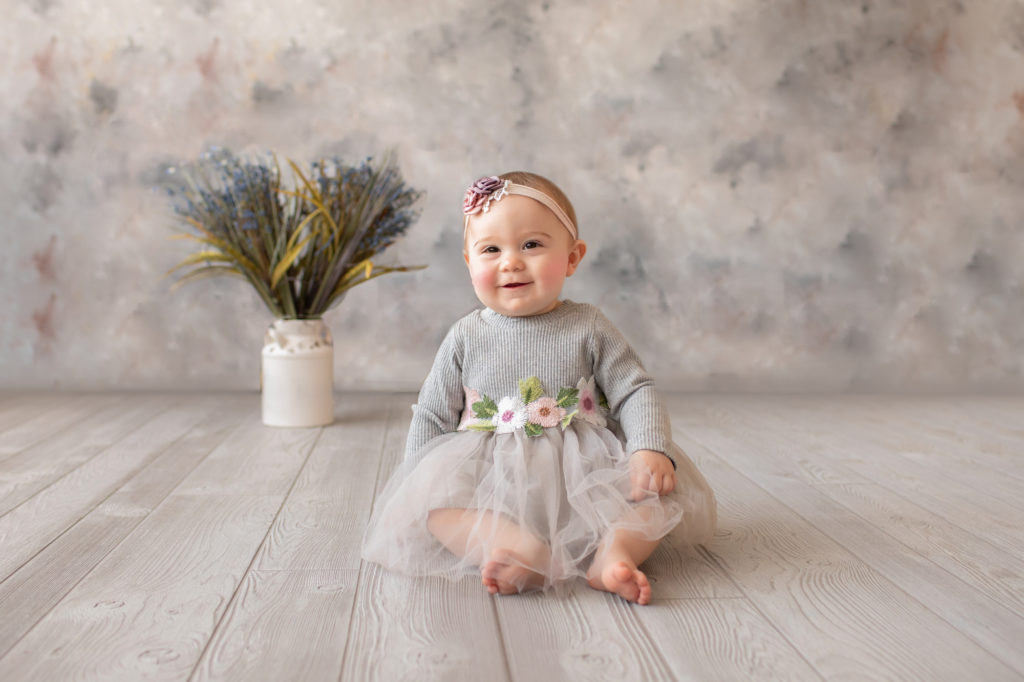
<point>439,405</point>
<point>632,398</point>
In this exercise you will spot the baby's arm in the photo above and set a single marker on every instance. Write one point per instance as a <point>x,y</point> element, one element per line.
<point>439,405</point>
<point>633,401</point>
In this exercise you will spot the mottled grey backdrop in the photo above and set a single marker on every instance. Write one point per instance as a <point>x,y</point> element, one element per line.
<point>804,195</point>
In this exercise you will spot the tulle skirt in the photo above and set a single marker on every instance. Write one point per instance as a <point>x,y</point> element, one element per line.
<point>553,497</point>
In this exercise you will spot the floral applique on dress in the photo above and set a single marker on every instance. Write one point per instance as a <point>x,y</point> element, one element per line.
<point>532,411</point>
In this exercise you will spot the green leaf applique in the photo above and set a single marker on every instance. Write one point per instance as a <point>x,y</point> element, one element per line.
<point>484,426</point>
<point>567,419</point>
<point>530,389</point>
<point>485,408</point>
<point>533,429</point>
<point>567,397</point>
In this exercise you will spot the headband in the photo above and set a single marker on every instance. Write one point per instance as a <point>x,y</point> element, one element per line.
<point>485,190</point>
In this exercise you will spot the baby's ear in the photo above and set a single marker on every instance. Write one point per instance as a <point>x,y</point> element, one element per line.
<point>576,254</point>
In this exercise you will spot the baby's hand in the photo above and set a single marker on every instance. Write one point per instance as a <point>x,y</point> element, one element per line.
<point>651,470</point>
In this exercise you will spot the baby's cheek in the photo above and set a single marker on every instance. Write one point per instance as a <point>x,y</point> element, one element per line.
<point>555,269</point>
<point>482,278</point>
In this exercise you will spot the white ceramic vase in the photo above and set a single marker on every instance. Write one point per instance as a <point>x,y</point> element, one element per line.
<point>298,374</point>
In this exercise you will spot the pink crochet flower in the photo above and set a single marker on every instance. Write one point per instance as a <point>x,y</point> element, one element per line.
<point>545,411</point>
<point>479,193</point>
<point>589,403</point>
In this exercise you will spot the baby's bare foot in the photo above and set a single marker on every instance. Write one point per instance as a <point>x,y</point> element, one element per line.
<point>507,573</point>
<point>622,579</point>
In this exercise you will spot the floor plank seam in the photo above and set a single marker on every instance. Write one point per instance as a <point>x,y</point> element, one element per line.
<point>623,612</point>
<point>502,638</point>
<point>256,554</point>
<point>351,613</point>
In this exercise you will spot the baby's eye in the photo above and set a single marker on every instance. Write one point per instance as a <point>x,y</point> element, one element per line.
<point>490,249</point>
<point>532,244</point>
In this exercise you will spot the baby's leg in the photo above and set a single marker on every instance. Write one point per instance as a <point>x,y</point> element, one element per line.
<point>615,565</point>
<point>513,551</point>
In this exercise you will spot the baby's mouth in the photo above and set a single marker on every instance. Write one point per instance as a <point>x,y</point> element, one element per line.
<point>514,285</point>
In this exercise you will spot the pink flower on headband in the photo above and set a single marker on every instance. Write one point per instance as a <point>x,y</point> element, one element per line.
<point>478,196</point>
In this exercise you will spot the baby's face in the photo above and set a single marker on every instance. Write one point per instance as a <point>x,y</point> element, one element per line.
<point>519,256</point>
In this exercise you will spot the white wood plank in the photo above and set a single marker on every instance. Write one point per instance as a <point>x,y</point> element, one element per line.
<point>147,611</point>
<point>986,417</point>
<point>18,408</point>
<point>934,433</point>
<point>322,522</point>
<point>984,619</point>
<point>686,573</point>
<point>594,636</point>
<point>52,421</point>
<point>28,528</point>
<point>582,635</point>
<point>845,618</point>
<point>722,639</point>
<point>263,461</point>
<point>283,625</point>
<point>720,412</point>
<point>964,554</point>
<point>422,629</point>
<point>293,623</point>
<point>27,595</point>
<point>27,472</point>
<point>836,440</point>
<point>177,571</point>
<point>976,438</point>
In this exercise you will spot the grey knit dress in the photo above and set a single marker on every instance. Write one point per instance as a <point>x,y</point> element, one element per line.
<point>531,421</point>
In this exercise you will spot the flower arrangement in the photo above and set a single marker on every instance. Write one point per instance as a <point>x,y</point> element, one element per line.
<point>301,248</point>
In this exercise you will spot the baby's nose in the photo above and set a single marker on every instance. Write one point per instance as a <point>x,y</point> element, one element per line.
<point>511,261</point>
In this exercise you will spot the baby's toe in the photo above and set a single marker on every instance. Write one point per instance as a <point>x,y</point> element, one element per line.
<point>645,590</point>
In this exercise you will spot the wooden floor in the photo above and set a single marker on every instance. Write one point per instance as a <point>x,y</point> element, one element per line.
<point>175,537</point>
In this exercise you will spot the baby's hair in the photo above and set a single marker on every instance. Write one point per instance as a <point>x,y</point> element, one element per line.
<point>539,182</point>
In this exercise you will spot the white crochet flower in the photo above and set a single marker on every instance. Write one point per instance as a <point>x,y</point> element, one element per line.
<point>511,415</point>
